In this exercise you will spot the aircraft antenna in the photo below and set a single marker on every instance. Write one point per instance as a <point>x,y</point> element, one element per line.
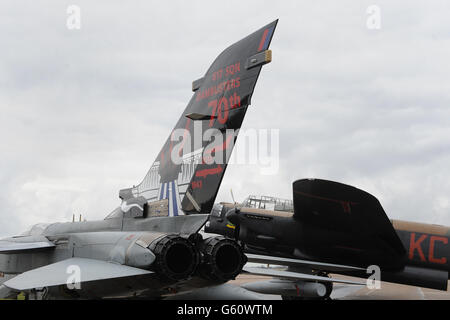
<point>232,197</point>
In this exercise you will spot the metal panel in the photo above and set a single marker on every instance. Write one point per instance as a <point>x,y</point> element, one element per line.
<point>56,274</point>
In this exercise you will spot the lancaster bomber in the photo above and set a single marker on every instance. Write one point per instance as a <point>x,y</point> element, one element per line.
<point>330,222</point>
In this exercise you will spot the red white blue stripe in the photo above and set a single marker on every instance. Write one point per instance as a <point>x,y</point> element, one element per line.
<point>265,39</point>
<point>169,191</point>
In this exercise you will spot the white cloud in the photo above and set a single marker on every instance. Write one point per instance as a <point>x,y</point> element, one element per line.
<point>89,109</point>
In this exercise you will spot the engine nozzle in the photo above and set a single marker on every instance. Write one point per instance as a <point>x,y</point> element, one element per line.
<point>223,259</point>
<point>176,257</point>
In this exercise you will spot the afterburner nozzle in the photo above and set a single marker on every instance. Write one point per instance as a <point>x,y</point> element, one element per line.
<point>223,259</point>
<point>176,257</point>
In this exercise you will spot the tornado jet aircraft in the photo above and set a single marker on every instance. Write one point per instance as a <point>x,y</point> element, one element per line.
<point>150,245</point>
<point>332,223</point>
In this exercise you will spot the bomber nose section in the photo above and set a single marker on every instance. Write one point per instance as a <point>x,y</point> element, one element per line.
<point>233,216</point>
<point>219,223</point>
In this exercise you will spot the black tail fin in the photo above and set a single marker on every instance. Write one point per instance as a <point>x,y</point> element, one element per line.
<point>190,167</point>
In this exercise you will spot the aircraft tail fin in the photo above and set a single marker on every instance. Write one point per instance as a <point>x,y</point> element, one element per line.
<point>187,172</point>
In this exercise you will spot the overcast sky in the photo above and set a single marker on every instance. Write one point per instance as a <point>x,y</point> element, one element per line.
<point>85,112</point>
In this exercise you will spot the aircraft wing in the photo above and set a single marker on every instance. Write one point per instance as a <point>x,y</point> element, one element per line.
<point>298,280</point>
<point>291,275</point>
<point>20,244</point>
<point>60,272</point>
<point>293,283</point>
<point>313,265</point>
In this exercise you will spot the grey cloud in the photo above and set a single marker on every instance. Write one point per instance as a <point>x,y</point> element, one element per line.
<point>84,113</point>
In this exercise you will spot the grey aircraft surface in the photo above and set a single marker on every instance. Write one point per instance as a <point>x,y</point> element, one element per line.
<point>151,245</point>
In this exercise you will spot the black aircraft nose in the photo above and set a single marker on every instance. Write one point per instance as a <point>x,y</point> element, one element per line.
<point>233,216</point>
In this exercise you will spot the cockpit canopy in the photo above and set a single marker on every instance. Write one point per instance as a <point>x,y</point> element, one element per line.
<point>268,203</point>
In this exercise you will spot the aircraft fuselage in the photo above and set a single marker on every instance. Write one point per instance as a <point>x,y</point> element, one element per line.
<point>279,233</point>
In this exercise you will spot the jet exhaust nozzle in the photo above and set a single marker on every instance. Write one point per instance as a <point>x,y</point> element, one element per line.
<point>223,259</point>
<point>176,257</point>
